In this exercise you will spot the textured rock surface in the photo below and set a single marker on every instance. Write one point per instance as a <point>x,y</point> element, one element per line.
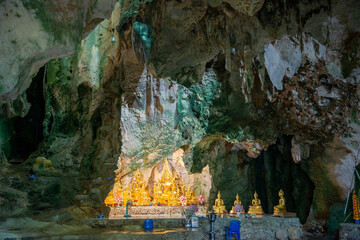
<point>349,231</point>
<point>257,95</point>
<point>74,121</point>
<point>35,32</point>
<point>34,229</point>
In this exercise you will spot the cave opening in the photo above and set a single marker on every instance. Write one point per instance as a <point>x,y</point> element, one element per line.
<point>28,130</point>
<point>275,169</point>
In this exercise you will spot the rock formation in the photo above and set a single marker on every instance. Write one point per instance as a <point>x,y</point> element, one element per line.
<point>256,95</point>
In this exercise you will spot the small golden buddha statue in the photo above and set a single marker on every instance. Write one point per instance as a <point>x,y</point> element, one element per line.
<point>144,199</point>
<point>219,204</point>
<point>127,195</point>
<point>194,198</point>
<point>188,196</point>
<point>109,200</point>
<point>117,189</point>
<point>157,193</point>
<point>174,199</point>
<point>281,208</point>
<point>255,205</point>
<point>237,201</point>
<point>178,182</point>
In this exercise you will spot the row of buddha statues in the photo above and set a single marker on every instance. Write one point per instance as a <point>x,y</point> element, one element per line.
<point>166,191</point>
<point>255,207</point>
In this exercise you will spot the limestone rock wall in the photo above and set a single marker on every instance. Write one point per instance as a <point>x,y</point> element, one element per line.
<point>80,126</point>
<point>34,32</point>
<point>226,82</point>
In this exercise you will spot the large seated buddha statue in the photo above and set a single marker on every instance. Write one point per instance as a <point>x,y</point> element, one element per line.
<point>137,185</point>
<point>281,208</point>
<point>138,192</point>
<point>219,205</point>
<point>109,200</point>
<point>255,205</point>
<point>167,190</point>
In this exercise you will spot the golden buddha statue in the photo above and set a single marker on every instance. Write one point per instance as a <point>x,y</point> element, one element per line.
<point>219,204</point>
<point>255,205</point>
<point>167,184</point>
<point>109,200</point>
<point>144,199</point>
<point>177,180</point>
<point>189,196</point>
<point>183,189</point>
<point>157,194</point>
<point>127,195</point>
<point>194,198</point>
<point>117,189</point>
<point>281,208</point>
<point>174,199</point>
<point>138,191</point>
<point>237,201</point>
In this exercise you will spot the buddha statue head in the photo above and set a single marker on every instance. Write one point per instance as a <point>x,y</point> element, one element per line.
<point>281,193</point>
<point>256,195</point>
<point>166,174</point>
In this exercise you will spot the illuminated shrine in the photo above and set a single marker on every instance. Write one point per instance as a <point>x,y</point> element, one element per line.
<point>168,189</point>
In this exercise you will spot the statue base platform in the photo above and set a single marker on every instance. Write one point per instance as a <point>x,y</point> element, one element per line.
<point>256,213</point>
<point>263,227</point>
<point>146,211</point>
<point>285,214</point>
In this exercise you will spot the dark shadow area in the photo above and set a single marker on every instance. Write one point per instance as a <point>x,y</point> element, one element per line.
<point>273,170</point>
<point>28,131</point>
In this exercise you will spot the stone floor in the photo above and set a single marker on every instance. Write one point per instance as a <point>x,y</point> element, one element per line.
<point>266,227</point>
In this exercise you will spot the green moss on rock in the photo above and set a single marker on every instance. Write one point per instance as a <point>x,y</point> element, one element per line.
<point>130,13</point>
<point>48,20</point>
